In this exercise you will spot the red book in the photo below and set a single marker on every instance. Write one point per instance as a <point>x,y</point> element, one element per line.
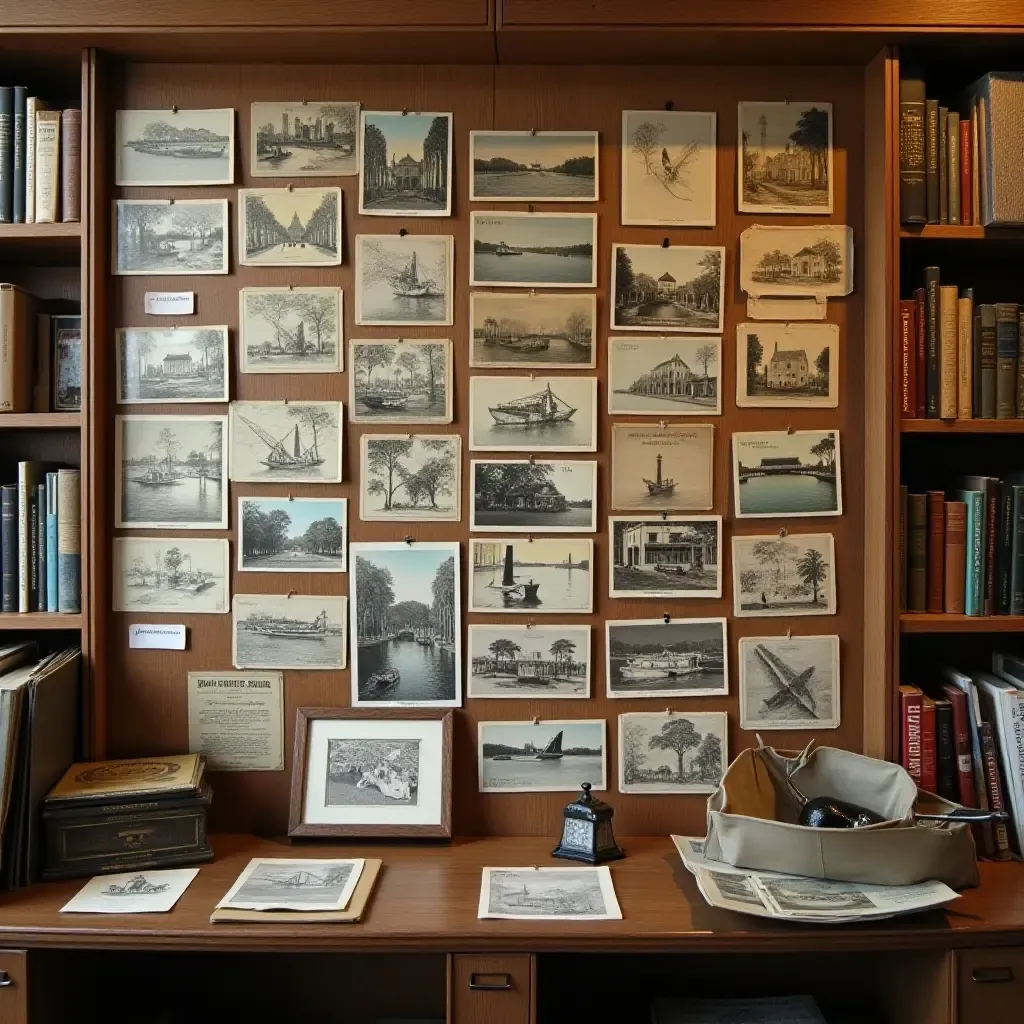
<point>908,357</point>
<point>962,738</point>
<point>910,731</point>
<point>929,748</point>
<point>995,790</point>
<point>936,576</point>
<point>966,180</point>
<point>920,377</point>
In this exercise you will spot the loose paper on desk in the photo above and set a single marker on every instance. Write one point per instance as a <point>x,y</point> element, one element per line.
<point>281,883</point>
<point>763,1010</point>
<point>548,894</point>
<point>135,892</point>
<point>236,720</point>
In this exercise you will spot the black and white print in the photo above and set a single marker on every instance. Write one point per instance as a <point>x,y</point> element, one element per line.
<point>372,772</point>
<point>286,442</point>
<point>534,330</point>
<point>813,261</point>
<point>787,366</point>
<point>678,658</point>
<point>404,280</point>
<point>134,892</point>
<point>292,534</point>
<point>532,576</point>
<point>175,147</point>
<point>548,894</point>
<point>533,496</point>
<point>665,556</point>
<point>314,139</point>
<point>678,752</point>
<point>67,363</point>
<point>279,883</point>
<point>792,574</point>
<point>177,574</point>
<point>541,756</point>
<point>290,330</point>
<point>288,631</point>
<point>289,227</point>
<point>401,381</point>
<point>158,237</point>
<point>406,477</point>
<point>533,250</point>
<point>664,376</point>
<point>544,662</point>
<point>789,682</point>
<point>178,364</point>
<point>536,167</point>
<point>662,468</point>
<point>171,472</point>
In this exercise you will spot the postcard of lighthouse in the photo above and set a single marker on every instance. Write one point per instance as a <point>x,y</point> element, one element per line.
<point>533,496</point>
<point>178,574</point>
<point>175,147</point>
<point>400,380</point>
<point>404,280</point>
<point>293,631</point>
<point>290,330</point>
<point>405,477</point>
<point>406,624</point>
<point>171,472</point>
<point>179,364</point>
<point>286,442</point>
<point>545,756</point>
<point>678,658</point>
<point>781,474</point>
<point>546,662</point>
<point>787,366</point>
<point>789,682</point>
<point>783,574</point>
<point>665,556</point>
<point>662,468</point>
<point>532,576</point>
<point>289,227</point>
<point>814,261</point>
<point>677,752</point>
<point>664,376</point>
<point>301,139</point>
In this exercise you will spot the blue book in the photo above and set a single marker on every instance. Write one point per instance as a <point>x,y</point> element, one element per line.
<point>975,590</point>
<point>51,542</point>
<point>69,540</point>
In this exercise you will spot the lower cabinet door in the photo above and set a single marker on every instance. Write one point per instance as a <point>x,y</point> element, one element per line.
<point>13,986</point>
<point>490,989</point>
<point>990,985</point>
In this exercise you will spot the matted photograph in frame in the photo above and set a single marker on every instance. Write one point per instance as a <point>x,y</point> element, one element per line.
<point>665,556</point>
<point>533,496</point>
<point>542,662</point>
<point>783,574</point>
<point>533,167</point>
<point>372,773</point>
<point>289,227</point>
<point>672,752</point>
<point>174,147</point>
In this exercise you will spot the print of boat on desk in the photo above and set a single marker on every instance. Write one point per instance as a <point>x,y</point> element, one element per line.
<point>289,631</point>
<point>526,414</point>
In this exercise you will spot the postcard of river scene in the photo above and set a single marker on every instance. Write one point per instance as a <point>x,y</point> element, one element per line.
<point>533,250</point>
<point>538,330</point>
<point>293,534</point>
<point>550,756</point>
<point>406,624</point>
<point>408,477</point>
<point>532,576</point>
<point>665,556</point>
<point>787,366</point>
<point>179,364</point>
<point>794,574</point>
<point>664,376</point>
<point>176,574</point>
<point>289,227</point>
<point>290,330</point>
<point>154,237</point>
<point>662,468</point>
<point>400,381</point>
<point>291,631</point>
<point>678,752</point>
<point>404,280</point>
<point>533,496</point>
<point>172,473</point>
<point>286,442</point>
<point>540,167</point>
<point>314,139</point>
<point>175,147</point>
<point>529,661</point>
<point>778,474</point>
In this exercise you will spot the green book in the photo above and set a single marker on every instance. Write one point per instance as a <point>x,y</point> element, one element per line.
<point>975,502</point>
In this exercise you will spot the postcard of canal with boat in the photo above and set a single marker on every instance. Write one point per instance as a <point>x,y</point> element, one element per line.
<point>533,250</point>
<point>178,364</point>
<point>314,139</point>
<point>293,631</point>
<point>404,280</point>
<point>286,442</point>
<point>294,534</point>
<point>678,658</point>
<point>662,468</point>
<point>533,496</point>
<point>156,237</point>
<point>788,366</point>
<point>540,576</point>
<point>175,147</point>
<point>531,166</point>
<point>784,574</point>
<point>172,472</point>
<point>664,376</point>
<point>545,756</point>
<point>406,624</point>
<point>290,330</point>
<point>674,752</point>
<point>533,330</point>
<point>406,477</point>
<point>178,574</point>
<point>529,661</point>
<point>665,556</point>
<point>400,381</point>
<point>289,227</point>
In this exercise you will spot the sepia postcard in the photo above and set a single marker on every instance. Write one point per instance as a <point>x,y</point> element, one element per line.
<point>288,631</point>
<point>815,261</point>
<point>668,167</point>
<point>535,167</point>
<point>664,376</point>
<point>405,164</point>
<point>178,364</point>
<point>284,883</point>
<point>529,661</point>
<point>286,442</point>
<point>677,752</point>
<point>289,227</point>
<point>174,147</point>
<point>665,556</point>
<point>542,756</point>
<point>304,139</point>
<point>410,477</point>
<point>788,366</point>
<point>532,330</point>
<point>679,289</point>
<point>174,574</point>
<point>527,414</point>
<point>404,280</point>
<point>532,576</point>
<point>548,894</point>
<point>533,496</point>
<point>784,574</point>
<point>171,472</point>
<point>789,682</point>
<point>678,658</point>
<point>157,237</point>
<point>400,380</point>
<point>293,534</point>
<point>781,474</point>
<point>785,157</point>
<point>533,250</point>
<point>290,330</point>
<point>133,892</point>
<point>662,468</point>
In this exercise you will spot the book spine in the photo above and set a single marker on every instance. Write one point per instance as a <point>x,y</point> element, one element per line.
<point>955,557</point>
<point>965,171</point>
<point>908,345</point>
<point>910,731</point>
<point>47,166</point>
<point>988,362</point>
<point>24,537</point>
<point>975,585</point>
<point>984,168</point>
<point>975,161</point>
<point>903,549</point>
<point>1019,399</point>
<point>20,98</point>
<point>32,105</point>
<point>931,286</point>
<point>931,152</point>
<point>41,548</point>
<point>1006,360</point>
<point>1013,732</point>
<point>1004,558</point>
<point>52,602</point>
<point>953,156</point>
<point>948,310</point>
<point>929,757</point>
<point>1017,553</point>
<point>912,152</point>
<point>33,549</point>
<point>69,540</point>
<point>70,164</point>
<point>936,549</point>
<point>6,154</point>
<point>9,544</point>
<point>964,324</point>
<point>920,376</point>
<point>945,749</point>
<point>917,552</point>
<point>943,160</point>
<point>989,599</point>
<point>995,789</point>
<point>962,738</point>
<point>10,360</point>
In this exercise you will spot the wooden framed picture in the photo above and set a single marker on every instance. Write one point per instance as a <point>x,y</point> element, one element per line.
<point>372,772</point>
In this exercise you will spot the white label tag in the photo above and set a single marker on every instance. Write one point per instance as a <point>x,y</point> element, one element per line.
<point>156,638</point>
<point>170,303</point>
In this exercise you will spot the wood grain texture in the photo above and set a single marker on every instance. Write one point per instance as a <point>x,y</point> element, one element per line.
<point>14,996</point>
<point>490,989</point>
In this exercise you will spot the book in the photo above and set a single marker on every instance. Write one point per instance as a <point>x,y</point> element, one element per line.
<point>943,161</point>
<point>908,346</point>
<point>985,395</point>
<point>931,153</point>
<point>965,171</point>
<point>912,152</point>
<point>999,99</point>
<point>920,381</point>
<point>995,790</point>
<point>33,548</point>
<point>29,475</point>
<point>903,549</point>
<point>910,731</point>
<point>99,782</point>
<point>984,194</point>
<point>1004,548</point>
<point>52,604</point>
<point>974,589</point>
<point>70,164</point>
<point>1006,360</point>
<point>917,552</point>
<point>953,173</point>
<point>955,557</point>
<point>964,328</point>
<point>47,173</point>
<point>1019,400</point>
<point>945,750</point>
<point>1017,553</point>
<point>9,545</point>
<point>66,351</point>
<point>990,488</point>
<point>936,549</point>
<point>931,328</point>
<point>929,763</point>
<point>18,202</point>
<point>962,743</point>
<point>17,314</point>
<point>975,160</point>
<point>948,340</point>
<point>1000,699</point>
<point>6,154</point>
<point>69,540</point>
<point>41,546</point>
<point>32,106</point>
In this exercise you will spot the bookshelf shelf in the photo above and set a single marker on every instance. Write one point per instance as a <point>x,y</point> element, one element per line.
<point>962,426</point>
<point>963,232</point>
<point>41,421</point>
<point>40,620</point>
<point>41,244</point>
<point>940,622</point>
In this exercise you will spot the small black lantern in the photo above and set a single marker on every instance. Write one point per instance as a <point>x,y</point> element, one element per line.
<point>587,831</point>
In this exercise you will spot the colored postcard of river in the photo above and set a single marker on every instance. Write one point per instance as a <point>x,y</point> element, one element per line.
<point>304,139</point>
<point>662,468</point>
<point>672,752</point>
<point>171,574</point>
<point>292,631</point>
<point>664,376</point>
<point>783,574</point>
<point>290,330</point>
<point>532,576</point>
<point>158,237</point>
<point>174,147</point>
<point>289,227</point>
<point>777,474</point>
<point>544,662</point>
<point>286,442</point>
<point>540,167</point>
<point>295,534</point>
<point>406,477</point>
<point>533,250</point>
<point>665,556</point>
<point>400,381</point>
<point>533,496</point>
<point>545,756</point>
<point>404,280</point>
<point>180,364</point>
<point>787,366</point>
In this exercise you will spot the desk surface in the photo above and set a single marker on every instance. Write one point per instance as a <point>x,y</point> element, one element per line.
<point>426,899</point>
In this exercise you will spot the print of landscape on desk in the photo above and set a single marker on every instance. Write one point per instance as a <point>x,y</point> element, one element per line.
<point>533,250</point>
<point>541,167</point>
<point>286,442</point>
<point>293,631</point>
<point>304,139</point>
<point>292,534</point>
<point>664,376</point>
<point>529,661</point>
<point>180,364</point>
<point>159,236</point>
<point>678,752</point>
<point>289,227</point>
<point>540,576</point>
<point>538,330</point>
<point>404,280</point>
<point>179,574</point>
<point>411,477</point>
<point>290,330</point>
<point>541,756</point>
<point>787,366</point>
<point>175,147</point>
<point>533,496</point>
<point>665,556</point>
<point>400,381</point>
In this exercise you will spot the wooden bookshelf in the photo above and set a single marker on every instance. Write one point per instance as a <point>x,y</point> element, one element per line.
<point>40,620</point>
<point>941,622</point>
<point>960,232</point>
<point>916,426</point>
<point>41,421</point>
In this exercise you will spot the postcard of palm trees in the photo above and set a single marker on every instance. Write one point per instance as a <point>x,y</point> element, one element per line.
<point>410,477</point>
<point>529,661</point>
<point>814,261</point>
<point>286,442</point>
<point>786,575</point>
<point>677,752</point>
<point>178,364</point>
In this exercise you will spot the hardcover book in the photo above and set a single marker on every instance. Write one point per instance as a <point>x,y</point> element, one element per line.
<point>912,152</point>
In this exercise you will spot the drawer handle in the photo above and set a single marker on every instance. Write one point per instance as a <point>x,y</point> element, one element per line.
<point>992,975</point>
<point>6,981</point>
<point>500,983</point>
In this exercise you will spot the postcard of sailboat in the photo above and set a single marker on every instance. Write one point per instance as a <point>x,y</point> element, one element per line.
<point>532,576</point>
<point>404,280</point>
<point>547,756</point>
<point>288,631</point>
<point>401,381</point>
<point>286,442</point>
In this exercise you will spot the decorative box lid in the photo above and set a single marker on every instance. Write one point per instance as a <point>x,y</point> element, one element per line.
<point>134,779</point>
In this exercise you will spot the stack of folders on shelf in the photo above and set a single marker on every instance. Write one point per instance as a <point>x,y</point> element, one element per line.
<point>39,704</point>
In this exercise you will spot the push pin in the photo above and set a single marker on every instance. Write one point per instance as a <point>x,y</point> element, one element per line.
<point>533,131</point>
<point>402,232</point>
<point>668,711</point>
<point>529,207</point>
<point>174,108</point>
<point>405,111</point>
<point>789,429</point>
<point>409,540</point>
<point>536,720</point>
<point>669,105</point>
<point>667,618</point>
<point>665,242</point>
<point>783,533</point>
<point>291,187</point>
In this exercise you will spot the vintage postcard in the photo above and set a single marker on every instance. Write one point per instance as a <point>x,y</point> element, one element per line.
<point>177,364</point>
<point>406,624</point>
<point>778,474</point>
<point>174,147</point>
<point>289,227</point>
<point>67,363</point>
<point>677,752</point>
<point>173,574</point>
<point>664,376</point>
<point>314,139</point>
<point>410,477</point>
<point>678,658</point>
<point>134,892</point>
<point>533,250</point>
<point>533,496</point>
<point>665,556</point>
<point>662,468</point>
<point>785,157</point>
<point>550,756</point>
<point>789,682</point>
<point>668,167</point>
<point>529,661</point>
<point>548,894</point>
<point>679,289</point>
<point>294,534</point>
<point>404,280</point>
<point>405,164</point>
<point>527,414</point>
<point>545,576</point>
<point>535,167</point>
<point>286,442</point>
<point>284,883</point>
<point>788,366</point>
<point>400,381</point>
<point>290,330</point>
<point>288,631</point>
<point>533,330</point>
<point>787,574</point>
<point>171,472</point>
<point>815,261</point>
<point>158,237</point>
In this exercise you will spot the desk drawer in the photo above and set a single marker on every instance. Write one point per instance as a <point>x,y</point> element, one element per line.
<point>990,985</point>
<point>490,990</point>
<point>13,986</point>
